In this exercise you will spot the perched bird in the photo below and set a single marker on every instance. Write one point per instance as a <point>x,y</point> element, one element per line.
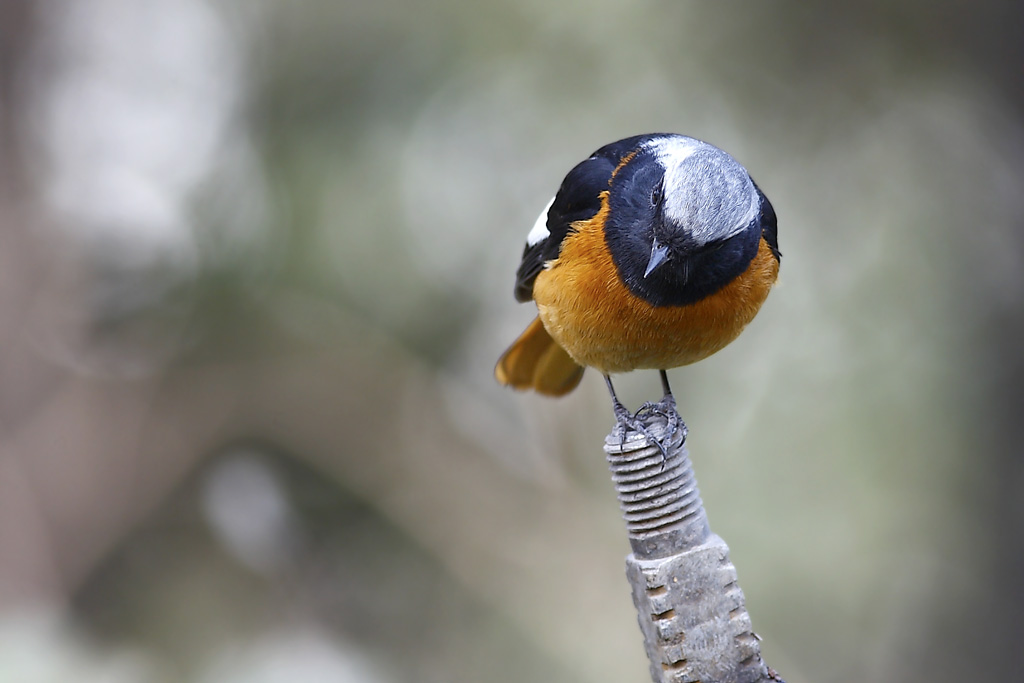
<point>656,252</point>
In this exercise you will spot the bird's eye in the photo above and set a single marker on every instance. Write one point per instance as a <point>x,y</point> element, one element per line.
<point>656,195</point>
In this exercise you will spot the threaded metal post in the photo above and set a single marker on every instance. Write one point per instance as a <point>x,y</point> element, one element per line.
<point>657,491</point>
<point>689,603</point>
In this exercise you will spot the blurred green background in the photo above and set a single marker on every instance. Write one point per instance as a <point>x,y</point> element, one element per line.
<point>256,264</point>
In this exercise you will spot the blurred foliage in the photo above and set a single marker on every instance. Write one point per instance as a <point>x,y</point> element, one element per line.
<point>256,266</point>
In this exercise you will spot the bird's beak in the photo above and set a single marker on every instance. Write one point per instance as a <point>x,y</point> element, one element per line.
<point>658,256</point>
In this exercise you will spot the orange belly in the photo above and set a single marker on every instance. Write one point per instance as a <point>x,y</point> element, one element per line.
<point>587,309</point>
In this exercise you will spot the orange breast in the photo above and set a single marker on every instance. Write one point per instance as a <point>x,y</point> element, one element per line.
<point>588,310</point>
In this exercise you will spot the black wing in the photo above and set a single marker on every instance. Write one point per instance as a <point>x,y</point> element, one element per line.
<point>578,199</point>
<point>769,224</point>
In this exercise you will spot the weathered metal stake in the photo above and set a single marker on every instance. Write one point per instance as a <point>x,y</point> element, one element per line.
<point>689,603</point>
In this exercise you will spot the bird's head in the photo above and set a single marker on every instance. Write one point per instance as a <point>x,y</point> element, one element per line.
<point>684,219</point>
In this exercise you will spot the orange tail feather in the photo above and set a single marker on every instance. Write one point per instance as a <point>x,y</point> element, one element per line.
<point>536,361</point>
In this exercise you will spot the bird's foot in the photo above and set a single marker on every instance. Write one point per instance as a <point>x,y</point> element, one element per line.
<point>665,408</point>
<point>634,422</point>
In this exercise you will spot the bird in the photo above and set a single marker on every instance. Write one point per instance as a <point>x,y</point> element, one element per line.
<point>655,252</point>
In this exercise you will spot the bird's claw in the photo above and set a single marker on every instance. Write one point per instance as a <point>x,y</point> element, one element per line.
<point>635,422</point>
<point>665,408</point>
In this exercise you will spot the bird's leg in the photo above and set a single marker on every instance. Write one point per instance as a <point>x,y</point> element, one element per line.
<point>622,414</point>
<point>668,400</point>
<point>666,408</point>
<point>629,422</point>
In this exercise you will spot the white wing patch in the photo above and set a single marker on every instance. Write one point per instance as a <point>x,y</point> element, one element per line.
<point>540,232</point>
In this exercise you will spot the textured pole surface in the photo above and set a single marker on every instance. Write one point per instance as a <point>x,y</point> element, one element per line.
<point>689,603</point>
